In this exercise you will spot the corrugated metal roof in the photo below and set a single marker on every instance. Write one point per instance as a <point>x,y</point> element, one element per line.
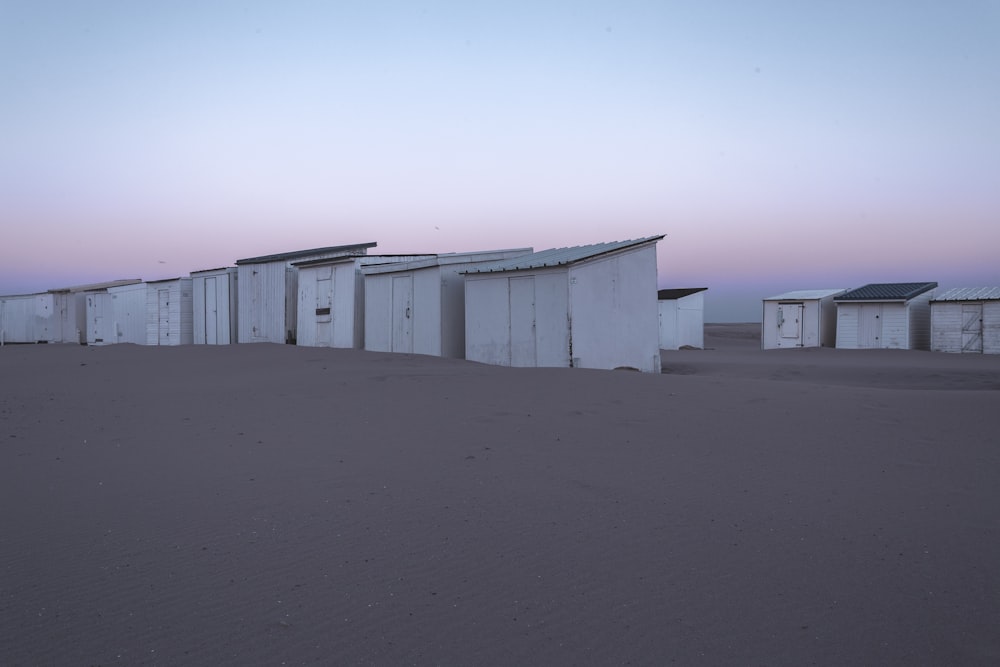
<point>215,270</point>
<point>677,293</point>
<point>562,256</point>
<point>444,259</point>
<point>886,292</point>
<point>97,286</point>
<point>300,254</point>
<point>365,259</point>
<point>970,294</point>
<point>806,294</point>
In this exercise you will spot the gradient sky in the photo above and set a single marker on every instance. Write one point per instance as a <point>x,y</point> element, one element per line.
<point>778,145</point>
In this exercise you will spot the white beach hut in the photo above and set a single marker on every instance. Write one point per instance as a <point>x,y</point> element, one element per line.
<point>419,306</point>
<point>268,292</point>
<point>682,317</point>
<point>215,306</point>
<point>117,314</point>
<point>885,316</point>
<point>331,311</point>
<point>590,306</point>
<point>801,318</point>
<point>71,307</point>
<point>966,319</point>
<point>169,312</point>
<point>24,318</point>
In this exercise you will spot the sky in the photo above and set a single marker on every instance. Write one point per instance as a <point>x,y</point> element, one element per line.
<point>777,145</point>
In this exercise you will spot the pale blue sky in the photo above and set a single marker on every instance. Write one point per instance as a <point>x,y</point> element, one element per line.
<point>778,145</point>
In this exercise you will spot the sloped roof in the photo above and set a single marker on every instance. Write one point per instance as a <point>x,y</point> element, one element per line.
<point>886,292</point>
<point>562,256</point>
<point>97,286</point>
<point>447,258</point>
<point>806,294</point>
<point>677,293</point>
<point>365,259</point>
<point>302,254</point>
<point>970,294</point>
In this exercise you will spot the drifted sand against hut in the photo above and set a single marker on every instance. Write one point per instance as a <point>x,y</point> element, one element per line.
<point>261,504</point>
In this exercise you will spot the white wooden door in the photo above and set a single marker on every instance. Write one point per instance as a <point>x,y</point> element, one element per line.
<point>211,312</point>
<point>869,326</point>
<point>523,350</point>
<point>402,314</point>
<point>972,327</point>
<point>789,324</point>
<point>324,306</point>
<point>163,316</point>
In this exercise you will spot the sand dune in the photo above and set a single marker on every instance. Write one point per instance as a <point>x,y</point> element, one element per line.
<point>264,504</point>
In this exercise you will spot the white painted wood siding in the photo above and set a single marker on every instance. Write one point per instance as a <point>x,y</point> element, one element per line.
<point>991,327</point>
<point>17,317</point>
<point>169,312</point>
<point>614,313</point>
<point>214,307</point>
<point>100,319</point>
<point>947,320</point>
<point>128,310</point>
<point>261,303</point>
<point>682,322</point>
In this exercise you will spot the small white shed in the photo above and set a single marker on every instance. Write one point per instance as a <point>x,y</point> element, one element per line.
<point>589,306</point>
<point>682,317</point>
<point>801,318</point>
<point>24,318</point>
<point>893,316</point>
<point>268,292</point>
<point>215,305</point>
<point>71,307</point>
<point>169,312</point>
<point>117,314</point>
<point>331,311</point>
<point>967,320</point>
<point>419,306</point>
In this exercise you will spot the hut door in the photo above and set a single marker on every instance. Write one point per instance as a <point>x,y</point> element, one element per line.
<point>790,324</point>
<point>163,316</point>
<point>870,326</point>
<point>972,327</point>
<point>324,306</point>
<point>522,322</point>
<point>211,312</point>
<point>402,314</point>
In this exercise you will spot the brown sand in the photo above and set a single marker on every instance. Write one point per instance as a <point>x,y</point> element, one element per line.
<point>267,505</point>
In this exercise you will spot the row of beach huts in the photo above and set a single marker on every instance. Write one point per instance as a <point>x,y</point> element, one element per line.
<point>593,306</point>
<point>903,316</point>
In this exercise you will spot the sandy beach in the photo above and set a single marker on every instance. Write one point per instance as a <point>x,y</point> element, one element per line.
<point>276,505</point>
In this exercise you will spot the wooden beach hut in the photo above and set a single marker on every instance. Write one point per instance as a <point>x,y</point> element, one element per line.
<point>268,292</point>
<point>331,310</point>
<point>215,308</point>
<point>418,306</point>
<point>885,316</point>
<point>117,314</point>
<point>589,306</point>
<point>801,318</point>
<point>24,318</point>
<point>71,307</point>
<point>966,320</point>
<point>682,317</point>
<point>169,312</point>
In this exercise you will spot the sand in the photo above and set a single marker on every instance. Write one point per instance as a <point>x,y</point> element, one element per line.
<point>269,505</point>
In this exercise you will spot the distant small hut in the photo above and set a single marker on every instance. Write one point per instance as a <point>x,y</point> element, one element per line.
<point>885,316</point>
<point>966,320</point>
<point>682,317</point>
<point>801,318</point>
